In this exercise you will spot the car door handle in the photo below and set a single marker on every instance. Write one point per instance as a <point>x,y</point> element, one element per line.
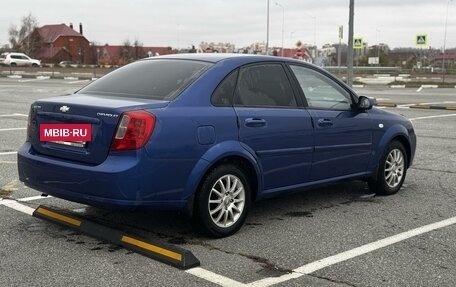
<point>254,122</point>
<point>325,123</point>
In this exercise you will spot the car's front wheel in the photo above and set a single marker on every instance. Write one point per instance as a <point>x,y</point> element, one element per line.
<point>223,201</point>
<point>391,171</point>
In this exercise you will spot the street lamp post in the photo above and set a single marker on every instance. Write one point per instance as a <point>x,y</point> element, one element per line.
<point>444,42</point>
<point>315,33</point>
<point>350,43</point>
<point>267,30</point>
<point>283,23</point>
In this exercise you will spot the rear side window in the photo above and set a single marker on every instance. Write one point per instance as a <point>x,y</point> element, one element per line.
<point>265,85</point>
<point>223,95</point>
<point>160,79</point>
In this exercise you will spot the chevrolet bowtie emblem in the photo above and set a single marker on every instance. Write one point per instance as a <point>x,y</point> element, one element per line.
<point>64,109</point>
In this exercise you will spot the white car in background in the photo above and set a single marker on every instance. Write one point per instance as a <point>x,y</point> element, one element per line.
<point>18,59</point>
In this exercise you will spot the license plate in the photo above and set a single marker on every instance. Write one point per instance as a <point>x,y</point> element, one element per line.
<point>66,133</point>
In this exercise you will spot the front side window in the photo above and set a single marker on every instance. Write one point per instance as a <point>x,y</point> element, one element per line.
<point>264,85</point>
<point>320,91</point>
<point>161,79</point>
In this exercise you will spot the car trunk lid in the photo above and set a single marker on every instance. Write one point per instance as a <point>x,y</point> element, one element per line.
<point>102,113</point>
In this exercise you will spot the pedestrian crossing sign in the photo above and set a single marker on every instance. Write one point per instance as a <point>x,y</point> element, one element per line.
<point>421,40</point>
<point>358,43</point>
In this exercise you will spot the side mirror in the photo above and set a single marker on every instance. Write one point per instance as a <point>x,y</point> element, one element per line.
<point>365,103</point>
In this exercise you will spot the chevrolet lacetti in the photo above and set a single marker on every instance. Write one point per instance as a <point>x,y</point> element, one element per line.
<point>210,134</point>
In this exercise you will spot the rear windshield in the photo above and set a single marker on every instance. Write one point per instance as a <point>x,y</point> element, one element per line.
<point>161,79</point>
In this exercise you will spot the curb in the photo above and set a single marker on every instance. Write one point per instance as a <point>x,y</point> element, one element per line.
<point>389,105</point>
<point>430,107</point>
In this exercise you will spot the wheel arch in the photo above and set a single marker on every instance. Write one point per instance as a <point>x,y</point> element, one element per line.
<point>223,153</point>
<point>395,133</point>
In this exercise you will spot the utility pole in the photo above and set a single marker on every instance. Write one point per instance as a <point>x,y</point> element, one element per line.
<point>350,44</point>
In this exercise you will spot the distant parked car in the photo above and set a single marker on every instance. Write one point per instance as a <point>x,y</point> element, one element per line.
<point>18,59</point>
<point>65,64</point>
<point>211,133</point>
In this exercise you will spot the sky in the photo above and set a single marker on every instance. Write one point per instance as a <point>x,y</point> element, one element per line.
<point>181,23</point>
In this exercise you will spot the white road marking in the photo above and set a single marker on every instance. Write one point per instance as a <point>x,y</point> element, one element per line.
<point>8,153</point>
<point>12,129</point>
<point>17,206</point>
<point>352,253</point>
<point>77,82</point>
<point>419,89</point>
<point>33,198</point>
<point>33,80</point>
<point>214,277</point>
<point>436,103</point>
<point>433,117</point>
<point>14,115</point>
<point>298,272</point>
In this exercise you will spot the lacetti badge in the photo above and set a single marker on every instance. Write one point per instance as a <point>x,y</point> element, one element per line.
<point>64,109</point>
<point>65,132</point>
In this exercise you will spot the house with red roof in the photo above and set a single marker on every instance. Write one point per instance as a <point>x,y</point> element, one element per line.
<point>62,43</point>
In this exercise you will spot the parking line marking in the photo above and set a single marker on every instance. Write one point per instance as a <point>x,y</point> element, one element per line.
<point>8,153</point>
<point>17,206</point>
<point>300,271</point>
<point>31,198</point>
<point>32,80</point>
<point>433,117</point>
<point>13,115</point>
<point>12,129</point>
<point>352,253</point>
<point>79,81</point>
<point>214,277</point>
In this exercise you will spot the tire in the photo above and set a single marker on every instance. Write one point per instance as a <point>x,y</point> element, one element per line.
<point>34,65</point>
<point>222,202</point>
<point>392,170</point>
<point>13,64</point>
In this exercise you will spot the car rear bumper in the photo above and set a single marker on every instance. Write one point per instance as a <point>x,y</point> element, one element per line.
<point>117,183</point>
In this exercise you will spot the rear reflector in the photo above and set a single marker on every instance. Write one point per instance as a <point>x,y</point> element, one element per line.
<point>133,131</point>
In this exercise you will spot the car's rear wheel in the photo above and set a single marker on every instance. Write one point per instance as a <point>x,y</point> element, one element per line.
<point>223,201</point>
<point>391,171</point>
<point>13,64</point>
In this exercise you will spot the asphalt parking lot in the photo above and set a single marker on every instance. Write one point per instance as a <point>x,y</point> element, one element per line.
<point>339,235</point>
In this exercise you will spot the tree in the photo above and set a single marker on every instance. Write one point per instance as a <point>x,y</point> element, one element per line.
<point>126,53</point>
<point>25,38</point>
<point>138,49</point>
<point>130,53</point>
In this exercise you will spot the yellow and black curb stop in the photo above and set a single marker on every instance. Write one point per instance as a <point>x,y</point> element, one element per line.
<point>431,107</point>
<point>172,255</point>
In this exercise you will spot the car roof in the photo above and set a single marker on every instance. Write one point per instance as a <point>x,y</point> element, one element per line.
<point>217,57</point>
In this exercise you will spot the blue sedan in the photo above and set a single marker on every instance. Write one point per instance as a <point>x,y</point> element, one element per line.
<point>210,134</point>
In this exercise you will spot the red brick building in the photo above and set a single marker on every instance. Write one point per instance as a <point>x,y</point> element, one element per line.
<point>121,55</point>
<point>62,43</point>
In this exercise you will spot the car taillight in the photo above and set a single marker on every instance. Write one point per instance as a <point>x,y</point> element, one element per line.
<point>133,130</point>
